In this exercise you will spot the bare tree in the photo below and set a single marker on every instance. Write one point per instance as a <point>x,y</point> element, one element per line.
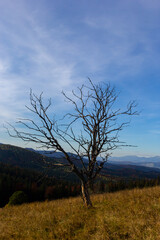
<point>99,122</point>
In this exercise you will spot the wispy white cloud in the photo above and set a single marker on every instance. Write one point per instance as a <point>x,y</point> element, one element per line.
<point>130,48</point>
<point>154,131</point>
<point>33,58</point>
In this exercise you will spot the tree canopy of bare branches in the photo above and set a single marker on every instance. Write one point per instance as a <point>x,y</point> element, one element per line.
<point>99,127</point>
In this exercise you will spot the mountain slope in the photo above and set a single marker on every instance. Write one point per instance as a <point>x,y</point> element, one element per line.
<point>25,158</point>
<point>55,165</point>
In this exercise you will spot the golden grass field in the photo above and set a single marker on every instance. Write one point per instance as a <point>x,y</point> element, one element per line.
<point>133,214</point>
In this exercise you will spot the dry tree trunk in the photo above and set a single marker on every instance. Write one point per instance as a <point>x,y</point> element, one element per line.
<point>85,194</point>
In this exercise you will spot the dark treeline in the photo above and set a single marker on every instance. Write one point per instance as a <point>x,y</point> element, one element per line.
<point>39,187</point>
<point>114,185</point>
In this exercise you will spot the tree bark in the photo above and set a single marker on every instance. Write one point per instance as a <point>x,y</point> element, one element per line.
<point>85,194</point>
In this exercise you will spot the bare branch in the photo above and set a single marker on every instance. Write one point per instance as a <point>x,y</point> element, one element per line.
<point>99,124</point>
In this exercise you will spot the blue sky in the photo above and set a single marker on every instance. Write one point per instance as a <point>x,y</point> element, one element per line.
<point>52,46</point>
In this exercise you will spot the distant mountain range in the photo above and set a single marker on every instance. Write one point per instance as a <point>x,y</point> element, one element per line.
<point>130,159</point>
<point>119,166</point>
<point>55,164</point>
<point>153,162</point>
<point>51,154</point>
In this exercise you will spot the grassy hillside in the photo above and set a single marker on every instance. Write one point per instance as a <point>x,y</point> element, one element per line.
<point>133,215</point>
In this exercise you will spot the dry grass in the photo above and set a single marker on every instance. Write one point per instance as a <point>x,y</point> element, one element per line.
<point>131,215</point>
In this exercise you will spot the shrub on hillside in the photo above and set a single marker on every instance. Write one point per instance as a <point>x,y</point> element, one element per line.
<point>18,198</point>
